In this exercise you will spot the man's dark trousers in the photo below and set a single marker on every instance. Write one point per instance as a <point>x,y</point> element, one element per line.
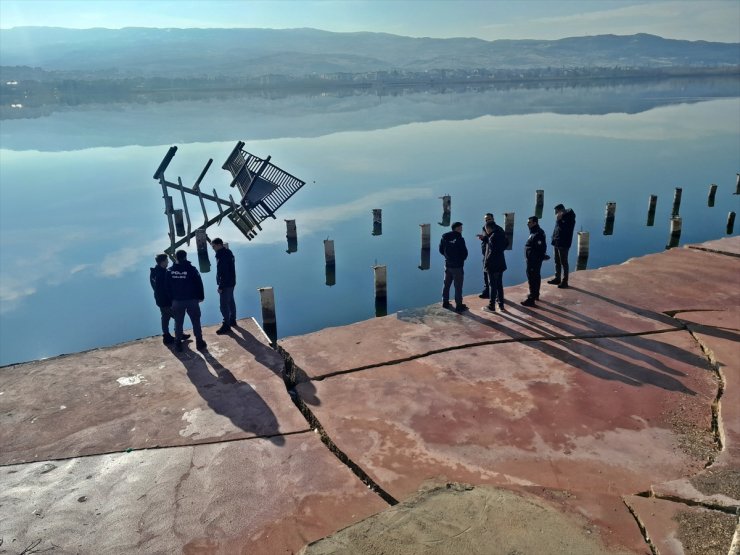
<point>192,307</point>
<point>453,275</point>
<point>227,305</point>
<point>167,313</point>
<point>561,260</point>
<point>496,279</point>
<point>534,278</point>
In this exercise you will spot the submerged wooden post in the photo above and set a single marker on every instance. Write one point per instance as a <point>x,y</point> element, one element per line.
<point>583,239</point>
<point>291,233</point>
<point>611,209</point>
<point>446,210</point>
<point>676,202</point>
<point>509,229</point>
<point>651,210</point>
<point>331,273</point>
<point>737,184</point>
<point>730,223</point>
<point>269,322</point>
<point>426,245</point>
<point>201,243</point>
<point>377,221</point>
<point>539,202</point>
<point>675,232</point>
<point>179,222</point>
<point>712,194</point>
<point>381,290</point>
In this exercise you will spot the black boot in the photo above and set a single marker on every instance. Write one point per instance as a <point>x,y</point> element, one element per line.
<point>529,301</point>
<point>167,339</point>
<point>485,294</point>
<point>224,329</point>
<point>563,284</point>
<point>200,344</point>
<point>554,281</point>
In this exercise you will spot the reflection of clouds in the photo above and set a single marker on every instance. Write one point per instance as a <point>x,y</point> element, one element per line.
<point>706,119</point>
<point>126,259</point>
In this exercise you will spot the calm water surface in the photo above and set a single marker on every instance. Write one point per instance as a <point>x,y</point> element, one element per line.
<point>81,217</point>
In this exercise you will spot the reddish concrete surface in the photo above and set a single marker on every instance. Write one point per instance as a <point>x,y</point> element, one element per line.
<point>257,496</point>
<point>142,394</point>
<point>726,245</point>
<point>678,529</point>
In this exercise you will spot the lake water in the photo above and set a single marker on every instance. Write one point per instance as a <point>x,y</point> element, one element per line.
<point>81,217</point>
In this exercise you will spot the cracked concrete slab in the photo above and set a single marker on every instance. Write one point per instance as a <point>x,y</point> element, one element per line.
<point>261,496</point>
<point>676,528</point>
<point>456,518</point>
<point>603,415</point>
<point>726,245</point>
<point>142,394</point>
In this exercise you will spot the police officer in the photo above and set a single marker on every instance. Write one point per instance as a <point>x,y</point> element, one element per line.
<point>483,237</point>
<point>186,289</point>
<point>225,281</point>
<point>562,238</point>
<point>452,247</point>
<point>535,252</point>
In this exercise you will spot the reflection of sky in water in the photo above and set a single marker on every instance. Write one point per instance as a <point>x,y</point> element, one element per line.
<point>80,227</point>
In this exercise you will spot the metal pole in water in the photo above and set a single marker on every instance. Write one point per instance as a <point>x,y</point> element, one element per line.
<point>539,202</point>
<point>446,210</point>
<point>509,229</point>
<point>712,193</point>
<point>651,210</point>
<point>331,273</point>
<point>292,235</point>
<point>426,245</point>
<point>675,232</point>
<point>730,223</point>
<point>676,201</point>
<point>269,323</point>
<point>611,208</point>
<point>377,221</point>
<point>381,290</point>
<point>583,239</point>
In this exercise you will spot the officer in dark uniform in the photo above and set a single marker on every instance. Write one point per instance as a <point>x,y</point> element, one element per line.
<point>535,250</point>
<point>483,237</point>
<point>452,247</point>
<point>562,238</point>
<point>186,290</point>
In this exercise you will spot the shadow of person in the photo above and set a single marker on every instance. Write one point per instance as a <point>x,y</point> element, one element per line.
<point>230,398</point>
<point>270,358</point>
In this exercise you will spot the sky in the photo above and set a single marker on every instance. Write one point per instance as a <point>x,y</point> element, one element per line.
<point>712,20</point>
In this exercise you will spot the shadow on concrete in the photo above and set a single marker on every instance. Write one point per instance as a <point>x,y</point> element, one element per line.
<point>609,359</point>
<point>230,397</point>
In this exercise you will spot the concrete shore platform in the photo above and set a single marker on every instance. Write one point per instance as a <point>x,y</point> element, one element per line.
<point>606,420</point>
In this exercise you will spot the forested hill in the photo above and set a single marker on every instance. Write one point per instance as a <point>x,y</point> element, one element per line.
<point>298,52</point>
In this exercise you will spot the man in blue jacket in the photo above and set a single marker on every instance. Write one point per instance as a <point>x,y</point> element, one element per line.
<point>186,289</point>
<point>452,247</point>
<point>535,251</point>
<point>562,239</point>
<point>226,281</point>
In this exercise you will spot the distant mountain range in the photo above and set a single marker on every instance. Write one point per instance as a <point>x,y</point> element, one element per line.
<point>298,52</point>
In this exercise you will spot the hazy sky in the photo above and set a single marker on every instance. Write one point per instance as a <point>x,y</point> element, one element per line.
<point>716,20</point>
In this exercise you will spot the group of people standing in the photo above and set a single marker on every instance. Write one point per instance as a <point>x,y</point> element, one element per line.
<point>494,242</point>
<point>179,291</point>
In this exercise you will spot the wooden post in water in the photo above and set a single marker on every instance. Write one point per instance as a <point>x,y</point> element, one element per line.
<point>676,202</point>
<point>583,238</point>
<point>651,210</point>
<point>730,223</point>
<point>426,246</point>
<point>675,232</point>
<point>539,202</point>
<point>446,210</point>
<point>377,221</point>
<point>179,222</point>
<point>381,290</point>
<point>611,209</point>
<point>712,193</point>
<point>509,229</point>
<point>269,322</point>
<point>201,244</point>
<point>331,269</point>
<point>291,233</point>
<point>737,184</point>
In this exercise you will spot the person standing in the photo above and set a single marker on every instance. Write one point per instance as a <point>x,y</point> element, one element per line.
<point>158,281</point>
<point>495,263</point>
<point>452,247</point>
<point>483,236</point>
<point>186,289</point>
<point>535,252</point>
<point>562,239</point>
<point>225,281</point>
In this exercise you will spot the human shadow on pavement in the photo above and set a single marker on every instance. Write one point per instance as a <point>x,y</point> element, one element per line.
<point>605,358</point>
<point>229,397</point>
<point>273,360</point>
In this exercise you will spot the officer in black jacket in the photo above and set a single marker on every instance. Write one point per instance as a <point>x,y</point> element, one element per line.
<point>535,250</point>
<point>452,247</point>
<point>226,281</point>
<point>483,237</point>
<point>495,263</point>
<point>562,239</point>
<point>158,281</point>
<point>186,289</point>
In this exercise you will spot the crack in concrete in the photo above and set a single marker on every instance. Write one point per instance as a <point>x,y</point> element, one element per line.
<point>425,354</point>
<point>689,502</point>
<point>292,377</point>
<point>641,526</point>
<point>714,251</point>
